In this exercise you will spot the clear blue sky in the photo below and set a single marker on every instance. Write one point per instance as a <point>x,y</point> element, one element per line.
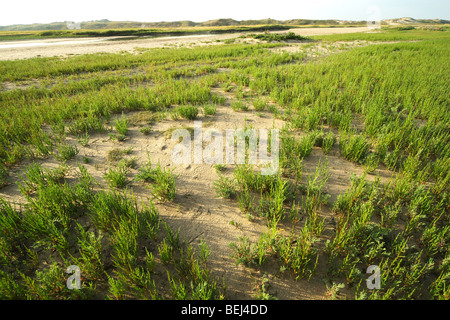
<point>45,11</point>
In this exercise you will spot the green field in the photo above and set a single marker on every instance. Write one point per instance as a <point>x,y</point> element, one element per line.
<point>380,106</point>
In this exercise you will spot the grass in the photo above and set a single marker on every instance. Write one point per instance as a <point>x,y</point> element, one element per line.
<point>145,130</point>
<point>117,177</point>
<point>259,104</point>
<point>121,125</point>
<point>395,119</point>
<point>162,180</point>
<point>66,152</point>
<point>239,106</point>
<point>209,109</point>
<point>278,36</point>
<point>3,176</point>
<point>225,187</point>
<point>164,187</point>
<point>188,112</point>
<point>114,155</point>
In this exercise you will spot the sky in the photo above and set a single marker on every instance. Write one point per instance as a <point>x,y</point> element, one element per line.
<point>46,11</point>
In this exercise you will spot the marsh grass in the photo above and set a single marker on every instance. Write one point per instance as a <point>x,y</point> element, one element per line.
<point>3,176</point>
<point>162,180</point>
<point>209,109</point>
<point>66,152</point>
<point>164,189</point>
<point>115,155</point>
<point>188,112</point>
<point>145,130</point>
<point>396,117</point>
<point>239,105</point>
<point>121,125</point>
<point>225,187</point>
<point>278,37</point>
<point>117,176</point>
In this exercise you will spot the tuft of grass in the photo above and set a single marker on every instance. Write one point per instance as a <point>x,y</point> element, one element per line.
<point>219,167</point>
<point>239,105</point>
<point>84,139</point>
<point>209,109</point>
<point>260,104</point>
<point>225,187</point>
<point>164,186</point>
<point>3,176</point>
<point>86,160</point>
<point>168,133</point>
<point>188,112</point>
<point>121,125</point>
<point>162,180</point>
<point>66,152</point>
<point>146,172</point>
<point>145,130</point>
<point>353,147</point>
<point>115,155</point>
<point>129,163</point>
<point>328,142</point>
<point>117,176</point>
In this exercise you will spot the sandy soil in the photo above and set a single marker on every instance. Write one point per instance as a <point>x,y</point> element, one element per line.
<point>197,211</point>
<point>67,47</point>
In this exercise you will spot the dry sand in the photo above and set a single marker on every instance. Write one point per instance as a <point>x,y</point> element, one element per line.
<point>67,47</point>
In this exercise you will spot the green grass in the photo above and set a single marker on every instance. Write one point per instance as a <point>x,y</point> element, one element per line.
<point>117,176</point>
<point>278,36</point>
<point>161,179</point>
<point>259,104</point>
<point>121,125</point>
<point>225,187</point>
<point>239,106</point>
<point>209,109</point>
<point>66,152</point>
<point>188,112</point>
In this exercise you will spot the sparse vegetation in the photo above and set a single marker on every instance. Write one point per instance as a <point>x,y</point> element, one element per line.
<point>356,109</point>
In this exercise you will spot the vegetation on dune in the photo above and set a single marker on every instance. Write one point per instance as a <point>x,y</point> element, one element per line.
<point>377,106</point>
<point>136,31</point>
<point>278,36</point>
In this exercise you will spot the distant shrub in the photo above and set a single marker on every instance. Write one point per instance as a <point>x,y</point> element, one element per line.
<point>278,36</point>
<point>405,28</point>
